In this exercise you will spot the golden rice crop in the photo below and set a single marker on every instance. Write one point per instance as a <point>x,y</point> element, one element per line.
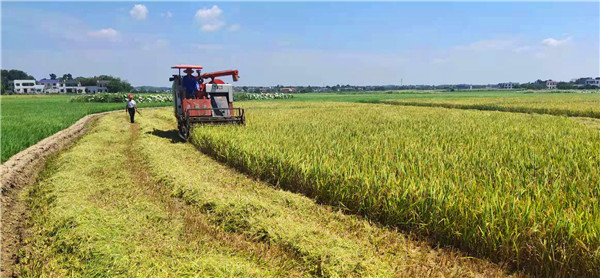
<point>569,104</point>
<point>514,187</point>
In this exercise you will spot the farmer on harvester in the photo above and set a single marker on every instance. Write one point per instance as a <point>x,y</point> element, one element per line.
<point>131,108</point>
<point>190,83</point>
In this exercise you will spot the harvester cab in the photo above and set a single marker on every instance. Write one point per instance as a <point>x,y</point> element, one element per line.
<point>211,103</point>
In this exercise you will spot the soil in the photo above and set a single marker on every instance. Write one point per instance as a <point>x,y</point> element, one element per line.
<point>16,174</point>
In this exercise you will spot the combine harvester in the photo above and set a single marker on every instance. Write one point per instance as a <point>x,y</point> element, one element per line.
<point>212,103</point>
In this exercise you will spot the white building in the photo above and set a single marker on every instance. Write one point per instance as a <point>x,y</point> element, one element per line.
<point>508,85</point>
<point>551,84</point>
<point>593,82</point>
<point>72,87</point>
<point>101,87</point>
<point>51,86</point>
<point>25,87</point>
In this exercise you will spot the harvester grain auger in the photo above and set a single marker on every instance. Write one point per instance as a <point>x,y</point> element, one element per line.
<point>211,103</point>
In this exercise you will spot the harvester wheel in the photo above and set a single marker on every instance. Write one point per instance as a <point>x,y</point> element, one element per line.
<point>184,131</point>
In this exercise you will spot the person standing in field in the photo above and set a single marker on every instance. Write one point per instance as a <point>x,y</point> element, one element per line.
<point>131,108</point>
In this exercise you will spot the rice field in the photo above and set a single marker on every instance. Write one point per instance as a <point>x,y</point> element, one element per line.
<point>512,188</point>
<point>507,186</point>
<point>563,104</point>
<point>28,119</point>
<point>118,204</point>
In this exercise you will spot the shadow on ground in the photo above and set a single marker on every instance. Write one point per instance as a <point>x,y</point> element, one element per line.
<point>169,134</point>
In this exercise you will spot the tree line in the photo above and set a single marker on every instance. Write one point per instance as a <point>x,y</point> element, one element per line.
<point>540,84</point>
<point>114,85</point>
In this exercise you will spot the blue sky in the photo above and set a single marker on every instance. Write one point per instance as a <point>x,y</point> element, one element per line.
<point>310,43</point>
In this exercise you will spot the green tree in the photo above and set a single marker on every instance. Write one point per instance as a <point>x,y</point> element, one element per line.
<point>114,86</point>
<point>92,81</point>
<point>13,74</point>
<point>52,76</point>
<point>565,86</point>
<point>66,76</point>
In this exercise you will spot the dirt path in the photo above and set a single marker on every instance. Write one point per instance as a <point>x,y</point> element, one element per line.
<point>132,200</point>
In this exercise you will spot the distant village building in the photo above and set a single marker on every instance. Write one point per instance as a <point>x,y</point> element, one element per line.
<point>551,84</point>
<point>288,90</point>
<point>508,85</point>
<point>95,89</point>
<point>593,82</point>
<point>101,87</point>
<point>25,87</point>
<point>72,87</point>
<point>51,86</point>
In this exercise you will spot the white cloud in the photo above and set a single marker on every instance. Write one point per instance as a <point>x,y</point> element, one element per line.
<point>109,34</point>
<point>554,42</point>
<point>234,27</point>
<point>139,12</point>
<point>210,19</point>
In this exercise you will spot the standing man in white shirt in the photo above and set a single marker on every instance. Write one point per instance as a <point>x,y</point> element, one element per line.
<point>131,108</point>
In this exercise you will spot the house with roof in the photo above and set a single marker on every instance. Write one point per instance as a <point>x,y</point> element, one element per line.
<point>508,85</point>
<point>23,86</point>
<point>592,82</point>
<point>51,86</point>
<point>72,87</point>
<point>551,84</point>
<point>101,87</point>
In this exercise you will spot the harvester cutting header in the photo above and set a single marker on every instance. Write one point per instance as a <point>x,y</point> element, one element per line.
<point>199,103</point>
